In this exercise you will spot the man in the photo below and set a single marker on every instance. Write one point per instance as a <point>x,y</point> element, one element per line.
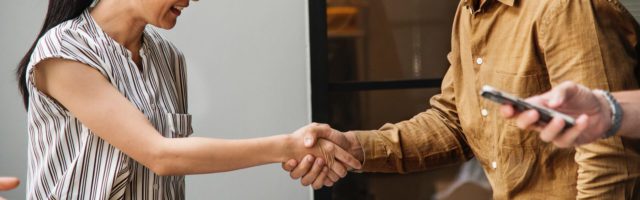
<point>593,110</point>
<point>523,47</point>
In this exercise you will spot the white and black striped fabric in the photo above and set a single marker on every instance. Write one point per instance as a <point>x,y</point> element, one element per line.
<point>66,160</point>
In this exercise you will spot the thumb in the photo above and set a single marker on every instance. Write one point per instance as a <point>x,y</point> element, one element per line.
<point>314,132</point>
<point>559,94</point>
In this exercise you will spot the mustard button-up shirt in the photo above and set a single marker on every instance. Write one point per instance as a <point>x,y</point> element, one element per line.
<point>523,47</point>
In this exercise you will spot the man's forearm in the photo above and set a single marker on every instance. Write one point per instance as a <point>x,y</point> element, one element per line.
<point>630,103</point>
<point>355,146</point>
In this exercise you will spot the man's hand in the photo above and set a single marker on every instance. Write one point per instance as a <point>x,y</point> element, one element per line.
<point>328,152</point>
<point>310,172</point>
<point>8,183</point>
<point>592,113</point>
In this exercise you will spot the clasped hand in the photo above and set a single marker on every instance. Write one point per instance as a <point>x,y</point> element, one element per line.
<point>321,155</point>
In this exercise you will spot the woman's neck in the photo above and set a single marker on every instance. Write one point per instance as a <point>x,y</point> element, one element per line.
<point>118,22</point>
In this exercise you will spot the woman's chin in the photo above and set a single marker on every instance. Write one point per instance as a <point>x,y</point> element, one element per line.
<point>167,24</point>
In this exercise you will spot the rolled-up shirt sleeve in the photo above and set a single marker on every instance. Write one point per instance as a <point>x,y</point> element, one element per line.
<point>429,140</point>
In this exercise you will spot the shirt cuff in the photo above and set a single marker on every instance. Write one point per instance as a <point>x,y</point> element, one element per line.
<point>375,152</point>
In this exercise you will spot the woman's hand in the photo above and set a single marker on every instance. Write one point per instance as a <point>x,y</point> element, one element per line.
<point>337,160</point>
<point>8,183</point>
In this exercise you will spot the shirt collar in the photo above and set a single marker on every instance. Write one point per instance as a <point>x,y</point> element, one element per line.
<point>505,2</point>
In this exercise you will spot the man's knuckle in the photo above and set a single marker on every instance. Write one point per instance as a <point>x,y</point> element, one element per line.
<point>330,148</point>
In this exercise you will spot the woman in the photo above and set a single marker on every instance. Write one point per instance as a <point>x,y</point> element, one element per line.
<point>107,109</point>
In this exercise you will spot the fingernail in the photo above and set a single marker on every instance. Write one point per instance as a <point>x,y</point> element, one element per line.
<point>307,141</point>
<point>308,158</point>
<point>319,162</point>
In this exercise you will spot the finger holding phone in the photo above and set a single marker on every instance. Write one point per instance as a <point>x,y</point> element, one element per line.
<point>568,101</point>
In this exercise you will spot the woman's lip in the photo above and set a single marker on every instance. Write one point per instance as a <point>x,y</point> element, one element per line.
<point>176,11</point>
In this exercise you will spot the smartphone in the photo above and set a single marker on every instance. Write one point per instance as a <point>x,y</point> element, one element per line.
<point>546,114</point>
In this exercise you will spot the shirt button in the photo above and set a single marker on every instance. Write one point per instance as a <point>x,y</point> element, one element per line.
<point>484,112</point>
<point>494,165</point>
<point>479,61</point>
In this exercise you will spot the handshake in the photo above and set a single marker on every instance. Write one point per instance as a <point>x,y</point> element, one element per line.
<point>320,156</point>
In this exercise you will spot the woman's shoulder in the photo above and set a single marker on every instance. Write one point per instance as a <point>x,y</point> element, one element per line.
<point>74,39</point>
<point>72,34</point>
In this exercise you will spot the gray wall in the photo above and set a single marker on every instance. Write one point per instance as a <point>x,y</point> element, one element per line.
<point>248,77</point>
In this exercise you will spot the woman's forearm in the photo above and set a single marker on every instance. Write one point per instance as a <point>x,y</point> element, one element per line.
<point>205,155</point>
<point>92,99</point>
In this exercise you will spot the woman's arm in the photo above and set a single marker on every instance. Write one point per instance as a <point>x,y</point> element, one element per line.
<point>98,105</point>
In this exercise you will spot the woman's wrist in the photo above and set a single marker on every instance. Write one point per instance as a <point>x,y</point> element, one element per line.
<point>286,147</point>
<point>292,147</point>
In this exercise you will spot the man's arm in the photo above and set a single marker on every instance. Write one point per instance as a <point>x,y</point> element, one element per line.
<point>591,42</point>
<point>430,139</point>
<point>592,111</point>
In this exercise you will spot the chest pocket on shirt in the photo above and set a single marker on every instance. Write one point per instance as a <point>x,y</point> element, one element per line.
<point>178,125</point>
<point>522,86</point>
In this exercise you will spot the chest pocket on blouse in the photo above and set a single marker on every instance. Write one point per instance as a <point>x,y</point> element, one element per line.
<point>178,125</point>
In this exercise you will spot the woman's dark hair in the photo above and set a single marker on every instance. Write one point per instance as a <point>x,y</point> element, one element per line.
<point>58,12</point>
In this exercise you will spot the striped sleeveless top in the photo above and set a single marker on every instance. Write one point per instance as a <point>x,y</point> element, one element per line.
<point>66,160</point>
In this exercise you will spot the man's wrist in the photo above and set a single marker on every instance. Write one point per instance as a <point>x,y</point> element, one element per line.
<point>355,148</point>
<point>606,112</point>
<point>615,112</point>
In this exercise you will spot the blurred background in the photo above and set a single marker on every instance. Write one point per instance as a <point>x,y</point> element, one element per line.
<point>386,59</point>
<point>259,68</point>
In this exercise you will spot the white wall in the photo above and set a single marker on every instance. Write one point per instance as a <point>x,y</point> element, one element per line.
<point>20,22</point>
<point>248,77</point>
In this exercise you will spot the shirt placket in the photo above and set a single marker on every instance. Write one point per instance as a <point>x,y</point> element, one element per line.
<point>480,61</point>
<point>152,93</point>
